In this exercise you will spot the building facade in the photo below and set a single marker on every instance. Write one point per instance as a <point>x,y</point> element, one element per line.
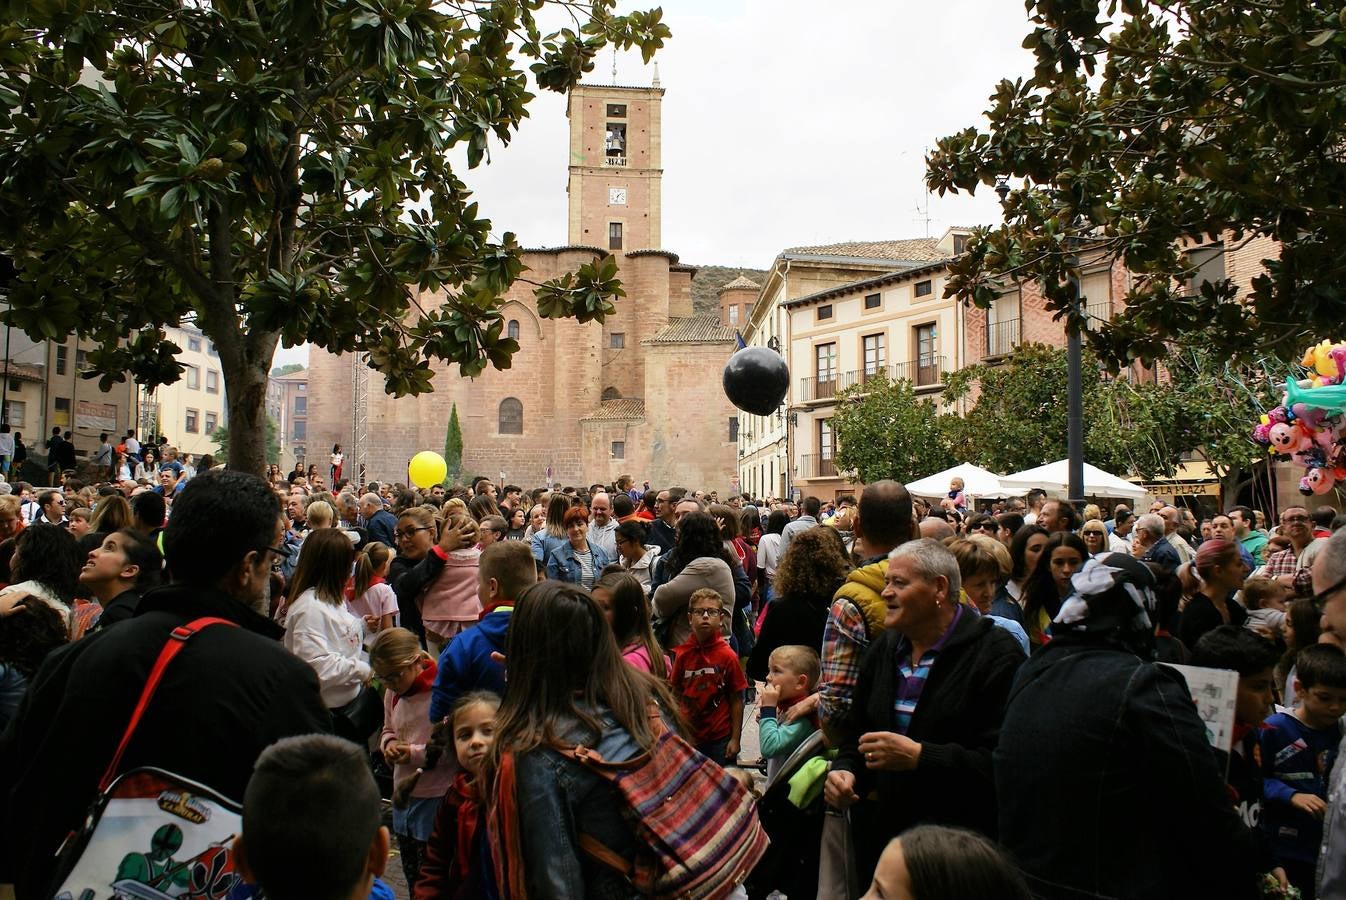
<point>189,410</point>
<point>638,393</point>
<point>287,395</point>
<point>769,447</point>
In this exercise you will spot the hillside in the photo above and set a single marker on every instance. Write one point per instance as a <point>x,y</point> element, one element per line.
<point>708,281</point>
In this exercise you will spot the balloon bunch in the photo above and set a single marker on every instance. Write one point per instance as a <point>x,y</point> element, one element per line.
<point>1308,427</point>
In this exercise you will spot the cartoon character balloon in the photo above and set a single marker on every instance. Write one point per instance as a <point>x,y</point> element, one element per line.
<point>1309,427</point>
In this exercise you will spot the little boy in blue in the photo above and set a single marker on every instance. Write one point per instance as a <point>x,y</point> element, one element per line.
<point>792,674</point>
<point>468,662</point>
<point>1298,748</point>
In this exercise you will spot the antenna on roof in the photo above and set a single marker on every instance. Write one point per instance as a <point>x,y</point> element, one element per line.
<point>614,65</point>
<point>655,82</point>
<point>925,213</point>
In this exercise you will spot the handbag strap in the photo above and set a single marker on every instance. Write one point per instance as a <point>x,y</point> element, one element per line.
<point>177,639</point>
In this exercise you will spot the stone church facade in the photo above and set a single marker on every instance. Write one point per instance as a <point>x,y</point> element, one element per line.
<point>639,393</point>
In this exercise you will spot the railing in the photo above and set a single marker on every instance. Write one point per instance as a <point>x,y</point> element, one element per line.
<point>923,372</point>
<point>815,465</point>
<point>1098,311</point>
<point>1002,337</point>
<point>614,160</point>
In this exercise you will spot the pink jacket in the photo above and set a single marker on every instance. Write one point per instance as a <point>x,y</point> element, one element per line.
<point>452,597</point>
<point>408,719</point>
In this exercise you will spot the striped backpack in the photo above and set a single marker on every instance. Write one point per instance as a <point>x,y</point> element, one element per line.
<point>699,825</point>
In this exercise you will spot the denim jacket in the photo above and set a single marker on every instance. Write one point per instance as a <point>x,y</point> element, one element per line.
<point>563,566</point>
<point>558,799</point>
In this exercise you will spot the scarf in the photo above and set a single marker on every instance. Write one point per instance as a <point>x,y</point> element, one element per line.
<point>503,832</point>
<point>424,680</point>
<point>1111,597</point>
<point>469,817</point>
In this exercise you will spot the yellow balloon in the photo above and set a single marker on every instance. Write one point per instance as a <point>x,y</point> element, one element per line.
<point>427,468</point>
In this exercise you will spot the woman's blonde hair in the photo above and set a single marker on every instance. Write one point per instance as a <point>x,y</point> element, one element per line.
<point>370,560</point>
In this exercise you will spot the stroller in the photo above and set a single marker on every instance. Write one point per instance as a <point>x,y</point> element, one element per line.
<point>790,866</point>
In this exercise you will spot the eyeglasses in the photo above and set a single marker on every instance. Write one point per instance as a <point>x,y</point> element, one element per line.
<point>985,526</point>
<point>403,534</point>
<point>1319,600</point>
<point>707,613</point>
<point>1092,533</point>
<point>281,554</point>
<point>1288,519</point>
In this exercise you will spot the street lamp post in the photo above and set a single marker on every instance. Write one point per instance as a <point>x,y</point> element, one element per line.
<point>1075,394</point>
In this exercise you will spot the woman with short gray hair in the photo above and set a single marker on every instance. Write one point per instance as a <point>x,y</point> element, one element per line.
<point>927,707</point>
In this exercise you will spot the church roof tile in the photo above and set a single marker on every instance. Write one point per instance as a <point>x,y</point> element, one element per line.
<point>923,249</point>
<point>694,330</point>
<point>740,283</point>
<point>617,410</point>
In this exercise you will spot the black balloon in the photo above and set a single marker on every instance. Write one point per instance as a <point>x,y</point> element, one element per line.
<point>756,379</point>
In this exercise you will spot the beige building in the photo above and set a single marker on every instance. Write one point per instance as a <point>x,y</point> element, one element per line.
<point>639,393</point>
<point>772,452</point>
<point>290,410</point>
<point>188,411</point>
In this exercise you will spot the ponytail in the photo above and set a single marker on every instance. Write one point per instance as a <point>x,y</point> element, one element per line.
<point>370,560</point>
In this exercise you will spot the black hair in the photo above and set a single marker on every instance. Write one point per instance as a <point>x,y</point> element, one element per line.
<point>219,518</point>
<point>811,506</point>
<point>1321,665</point>
<point>776,521</point>
<point>1232,647</point>
<point>633,530</point>
<point>49,555</point>
<point>1040,592</point>
<point>622,505</point>
<point>142,552</point>
<point>1323,516</point>
<point>698,536</point>
<point>1019,546</point>
<point>952,864</point>
<point>310,813</point>
<point>31,631</point>
<point>149,508</point>
<point>1011,521</point>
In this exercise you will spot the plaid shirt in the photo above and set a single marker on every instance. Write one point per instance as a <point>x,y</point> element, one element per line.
<point>845,638</point>
<point>1286,562</point>
<point>914,673</point>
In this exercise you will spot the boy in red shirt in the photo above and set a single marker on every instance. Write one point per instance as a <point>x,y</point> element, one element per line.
<point>708,678</point>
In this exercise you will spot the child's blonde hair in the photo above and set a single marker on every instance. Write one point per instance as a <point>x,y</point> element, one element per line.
<point>460,520</point>
<point>798,660</point>
<point>441,741</point>
<point>371,559</point>
<point>1257,591</point>
<point>704,594</point>
<point>395,648</point>
<point>82,513</point>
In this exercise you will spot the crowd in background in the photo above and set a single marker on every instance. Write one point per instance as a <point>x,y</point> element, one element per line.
<point>949,701</point>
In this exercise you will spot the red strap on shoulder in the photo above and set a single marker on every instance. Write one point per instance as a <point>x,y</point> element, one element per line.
<point>177,639</point>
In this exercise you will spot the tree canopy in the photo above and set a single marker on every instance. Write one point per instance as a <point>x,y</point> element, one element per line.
<point>1148,127</point>
<point>277,171</point>
<point>883,430</point>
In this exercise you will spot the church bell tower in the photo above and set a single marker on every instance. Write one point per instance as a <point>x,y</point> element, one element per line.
<point>615,167</point>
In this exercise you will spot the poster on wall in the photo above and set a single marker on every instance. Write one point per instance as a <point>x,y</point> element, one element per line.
<point>96,416</point>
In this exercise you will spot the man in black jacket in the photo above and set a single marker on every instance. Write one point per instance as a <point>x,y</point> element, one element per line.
<point>927,706</point>
<point>230,693</point>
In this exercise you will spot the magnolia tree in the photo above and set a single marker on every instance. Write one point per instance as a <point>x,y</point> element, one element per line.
<point>1147,127</point>
<point>277,171</point>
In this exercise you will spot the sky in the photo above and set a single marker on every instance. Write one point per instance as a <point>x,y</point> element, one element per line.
<point>785,123</point>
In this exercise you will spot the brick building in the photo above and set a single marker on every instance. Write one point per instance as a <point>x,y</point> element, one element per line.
<point>639,393</point>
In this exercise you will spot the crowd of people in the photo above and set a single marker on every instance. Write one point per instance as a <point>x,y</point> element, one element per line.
<point>951,702</point>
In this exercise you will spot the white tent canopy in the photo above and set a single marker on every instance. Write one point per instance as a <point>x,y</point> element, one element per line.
<point>977,482</point>
<point>1054,478</point>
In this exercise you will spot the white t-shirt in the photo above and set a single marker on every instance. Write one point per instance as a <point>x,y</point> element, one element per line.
<point>337,458</point>
<point>133,446</point>
<point>6,443</point>
<point>331,640</point>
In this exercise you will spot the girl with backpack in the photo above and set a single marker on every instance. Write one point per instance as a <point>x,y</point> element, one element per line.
<point>575,714</point>
<point>407,673</point>
<point>455,857</point>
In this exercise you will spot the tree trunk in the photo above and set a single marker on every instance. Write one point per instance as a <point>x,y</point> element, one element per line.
<point>246,393</point>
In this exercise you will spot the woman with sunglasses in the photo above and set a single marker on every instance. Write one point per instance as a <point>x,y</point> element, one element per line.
<point>1095,537</point>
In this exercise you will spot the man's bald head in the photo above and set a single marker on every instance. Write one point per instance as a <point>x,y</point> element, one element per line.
<point>938,529</point>
<point>884,519</point>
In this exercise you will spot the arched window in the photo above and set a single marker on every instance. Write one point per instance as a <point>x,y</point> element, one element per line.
<point>611,394</point>
<point>512,329</point>
<point>511,416</point>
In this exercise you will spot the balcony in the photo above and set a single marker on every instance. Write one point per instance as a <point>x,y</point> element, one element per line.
<point>1002,337</point>
<point>1097,312</point>
<point>816,465</point>
<point>924,373</point>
